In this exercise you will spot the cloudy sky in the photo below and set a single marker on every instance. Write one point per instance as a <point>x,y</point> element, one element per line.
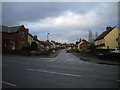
<point>65,21</point>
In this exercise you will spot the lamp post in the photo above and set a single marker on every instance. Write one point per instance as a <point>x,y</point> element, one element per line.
<point>47,36</point>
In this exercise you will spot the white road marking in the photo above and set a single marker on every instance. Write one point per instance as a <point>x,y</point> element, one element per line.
<point>43,58</point>
<point>9,83</point>
<point>52,60</point>
<point>17,62</point>
<point>118,80</point>
<point>70,59</point>
<point>70,67</point>
<point>66,74</point>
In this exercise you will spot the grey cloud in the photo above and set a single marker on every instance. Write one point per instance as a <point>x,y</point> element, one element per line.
<point>32,13</point>
<point>14,12</point>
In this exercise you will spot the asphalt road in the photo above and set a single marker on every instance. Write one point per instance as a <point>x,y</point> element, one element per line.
<point>63,71</point>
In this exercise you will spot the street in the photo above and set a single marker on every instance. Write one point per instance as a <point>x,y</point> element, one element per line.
<point>63,71</point>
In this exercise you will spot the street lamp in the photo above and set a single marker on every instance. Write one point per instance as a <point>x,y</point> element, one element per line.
<point>47,36</point>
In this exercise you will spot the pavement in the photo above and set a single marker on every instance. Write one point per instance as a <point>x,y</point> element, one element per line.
<point>63,71</point>
<point>55,54</point>
<point>98,60</point>
<point>42,56</point>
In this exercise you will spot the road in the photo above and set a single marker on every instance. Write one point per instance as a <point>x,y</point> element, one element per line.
<point>63,71</point>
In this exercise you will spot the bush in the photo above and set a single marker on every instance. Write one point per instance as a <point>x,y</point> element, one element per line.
<point>33,46</point>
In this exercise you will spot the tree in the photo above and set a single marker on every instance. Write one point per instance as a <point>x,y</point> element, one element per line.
<point>96,35</point>
<point>34,46</point>
<point>90,37</point>
<point>92,48</point>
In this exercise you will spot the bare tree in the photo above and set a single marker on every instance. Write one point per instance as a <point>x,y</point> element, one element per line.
<point>90,37</point>
<point>96,35</point>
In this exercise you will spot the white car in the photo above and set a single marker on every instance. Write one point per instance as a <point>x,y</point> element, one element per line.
<point>115,50</point>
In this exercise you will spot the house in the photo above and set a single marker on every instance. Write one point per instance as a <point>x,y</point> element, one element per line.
<point>75,47</point>
<point>14,38</point>
<point>83,45</point>
<point>109,39</point>
<point>43,45</point>
<point>63,46</point>
<point>57,45</point>
<point>70,46</point>
<point>30,38</point>
<point>34,38</point>
<point>48,46</point>
<point>53,44</point>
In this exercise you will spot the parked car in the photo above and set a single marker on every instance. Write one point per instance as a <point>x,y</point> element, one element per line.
<point>68,49</point>
<point>115,50</point>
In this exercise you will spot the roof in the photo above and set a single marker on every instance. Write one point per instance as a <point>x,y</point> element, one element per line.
<point>45,43</point>
<point>10,29</point>
<point>83,42</point>
<point>9,38</point>
<point>53,42</point>
<point>48,42</point>
<point>33,37</point>
<point>104,34</point>
<point>30,35</point>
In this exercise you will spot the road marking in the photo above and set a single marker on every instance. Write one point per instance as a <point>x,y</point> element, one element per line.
<point>66,74</point>
<point>17,62</point>
<point>69,67</point>
<point>52,60</point>
<point>9,83</point>
<point>70,59</point>
<point>118,80</point>
<point>45,58</point>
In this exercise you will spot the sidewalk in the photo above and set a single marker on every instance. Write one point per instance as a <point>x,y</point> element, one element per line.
<point>42,56</point>
<point>55,54</point>
<point>98,60</point>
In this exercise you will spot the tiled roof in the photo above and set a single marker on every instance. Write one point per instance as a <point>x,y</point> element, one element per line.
<point>10,29</point>
<point>104,34</point>
<point>45,43</point>
<point>30,35</point>
<point>83,42</point>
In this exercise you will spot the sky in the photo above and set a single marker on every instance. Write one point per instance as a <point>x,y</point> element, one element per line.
<point>65,21</point>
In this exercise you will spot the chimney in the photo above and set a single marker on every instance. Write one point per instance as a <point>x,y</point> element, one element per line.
<point>35,36</point>
<point>27,30</point>
<point>80,40</point>
<point>108,28</point>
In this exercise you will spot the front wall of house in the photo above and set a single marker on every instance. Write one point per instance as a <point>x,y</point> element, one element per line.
<point>84,46</point>
<point>18,38</point>
<point>99,42</point>
<point>79,45</point>
<point>30,39</point>
<point>111,39</point>
<point>6,44</point>
<point>23,37</point>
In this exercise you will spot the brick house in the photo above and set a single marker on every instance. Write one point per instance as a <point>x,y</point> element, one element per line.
<point>14,38</point>
<point>83,45</point>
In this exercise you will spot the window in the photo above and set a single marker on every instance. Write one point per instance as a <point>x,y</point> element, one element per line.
<point>22,34</point>
<point>22,43</point>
